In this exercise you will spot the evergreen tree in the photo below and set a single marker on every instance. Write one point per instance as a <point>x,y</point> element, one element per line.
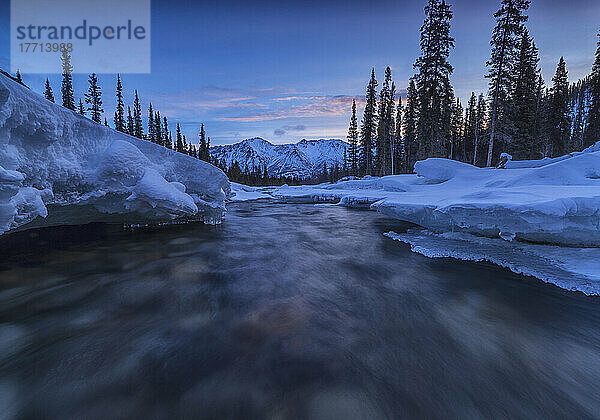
<point>592,131</point>
<point>68,98</point>
<point>580,103</point>
<point>480,125</point>
<point>385,126</point>
<point>510,20</point>
<point>538,121</point>
<point>435,94</point>
<point>167,142</point>
<point>368,127</point>
<point>19,78</point>
<point>409,127</point>
<point>524,100</point>
<point>202,147</point>
<point>456,131</point>
<point>138,127</point>
<point>398,149</point>
<point>130,124</point>
<point>48,91</point>
<point>179,139</point>
<point>120,109</point>
<point>469,129</point>
<point>106,122</point>
<point>151,137</point>
<point>559,120</point>
<point>158,131</point>
<point>353,142</point>
<point>81,108</point>
<point>94,98</point>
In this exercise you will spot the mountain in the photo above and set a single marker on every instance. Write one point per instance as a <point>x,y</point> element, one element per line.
<point>300,160</point>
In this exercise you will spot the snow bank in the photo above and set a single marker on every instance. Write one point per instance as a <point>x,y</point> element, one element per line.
<point>58,167</point>
<point>573,269</point>
<point>557,203</point>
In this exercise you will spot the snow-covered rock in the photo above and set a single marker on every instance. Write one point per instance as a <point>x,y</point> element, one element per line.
<point>302,160</point>
<point>58,167</point>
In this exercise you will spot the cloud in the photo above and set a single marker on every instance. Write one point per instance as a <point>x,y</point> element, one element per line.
<point>279,132</point>
<point>299,127</point>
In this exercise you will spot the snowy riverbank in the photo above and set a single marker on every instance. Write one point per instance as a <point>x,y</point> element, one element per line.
<point>539,218</point>
<point>58,167</point>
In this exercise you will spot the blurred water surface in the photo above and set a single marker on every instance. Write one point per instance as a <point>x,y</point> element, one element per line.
<point>285,311</point>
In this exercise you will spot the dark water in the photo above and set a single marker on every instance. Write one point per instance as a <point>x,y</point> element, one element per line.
<point>283,312</point>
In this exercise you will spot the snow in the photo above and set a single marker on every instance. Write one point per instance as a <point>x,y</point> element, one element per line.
<point>515,216</point>
<point>240,192</point>
<point>58,167</point>
<point>301,160</point>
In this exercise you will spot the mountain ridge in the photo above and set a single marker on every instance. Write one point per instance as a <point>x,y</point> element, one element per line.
<point>302,160</point>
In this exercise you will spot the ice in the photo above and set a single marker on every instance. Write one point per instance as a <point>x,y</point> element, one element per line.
<point>574,269</point>
<point>58,167</point>
<point>240,192</point>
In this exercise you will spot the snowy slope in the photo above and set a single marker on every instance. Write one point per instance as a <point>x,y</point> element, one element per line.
<point>494,214</point>
<point>58,167</point>
<point>301,160</point>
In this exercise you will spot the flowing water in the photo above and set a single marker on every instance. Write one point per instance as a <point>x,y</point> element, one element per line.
<point>285,311</point>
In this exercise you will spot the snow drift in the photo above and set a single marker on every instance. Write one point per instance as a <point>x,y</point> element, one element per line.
<point>58,167</point>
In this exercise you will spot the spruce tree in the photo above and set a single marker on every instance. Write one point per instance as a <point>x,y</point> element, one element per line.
<point>203,144</point>
<point>353,142</point>
<point>138,127</point>
<point>19,77</point>
<point>120,109</point>
<point>469,129</point>
<point>130,124</point>
<point>592,131</point>
<point>524,100</point>
<point>94,99</point>
<point>398,150</point>
<point>434,91</point>
<point>456,131</point>
<point>166,141</point>
<point>179,139</point>
<point>48,91</point>
<point>384,126</point>
<point>510,20</point>
<point>81,108</point>
<point>559,120</point>
<point>538,121</point>
<point>480,125</point>
<point>158,131</point>
<point>151,137</point>
<point>106,122</point>
<point>66,90</point>
<point>409,127</point>
<point>368,127</point>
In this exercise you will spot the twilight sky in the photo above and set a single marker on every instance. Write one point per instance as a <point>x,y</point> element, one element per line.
<point>287,70</point>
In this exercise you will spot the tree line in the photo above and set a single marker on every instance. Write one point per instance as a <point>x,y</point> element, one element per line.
<point>520,115</point>
<point>130,122</point>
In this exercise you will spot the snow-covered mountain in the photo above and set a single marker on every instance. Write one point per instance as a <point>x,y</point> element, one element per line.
<point>300,160</point>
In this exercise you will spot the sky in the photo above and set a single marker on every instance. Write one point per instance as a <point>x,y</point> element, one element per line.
<point>286,70</point>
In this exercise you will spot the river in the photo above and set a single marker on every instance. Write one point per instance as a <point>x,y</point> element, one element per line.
<point>285,311</point>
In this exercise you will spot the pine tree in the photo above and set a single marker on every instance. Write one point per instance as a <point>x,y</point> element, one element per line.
<point>456,131</point>
<point>106,122</point>
<point>353,142</point>
<point>179,140</point>
<point>48,91</point>
<point>398,149</point>
<point>203,144</point>
<point>480,125</point>
<point>592,131</point>
<point>435,94</point>
<point>409,127</point>
<point>120,109</point>
<point>166,141</point>
<point>469,129</point>
<point>580,99</point>
<point>559,120</point>
<point>68,99</point>
<point>524,100</point>
<point>19,77</point>
<point>158,131</point>
<point>538,121</point>
<point>383,126</point>
<point>130,124</point>
<point>94,98</point>
<point>151,136</point>
<point>368,127</point>
<point>81,108</point>
<point>510,20</point>
<point>138,127</point>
